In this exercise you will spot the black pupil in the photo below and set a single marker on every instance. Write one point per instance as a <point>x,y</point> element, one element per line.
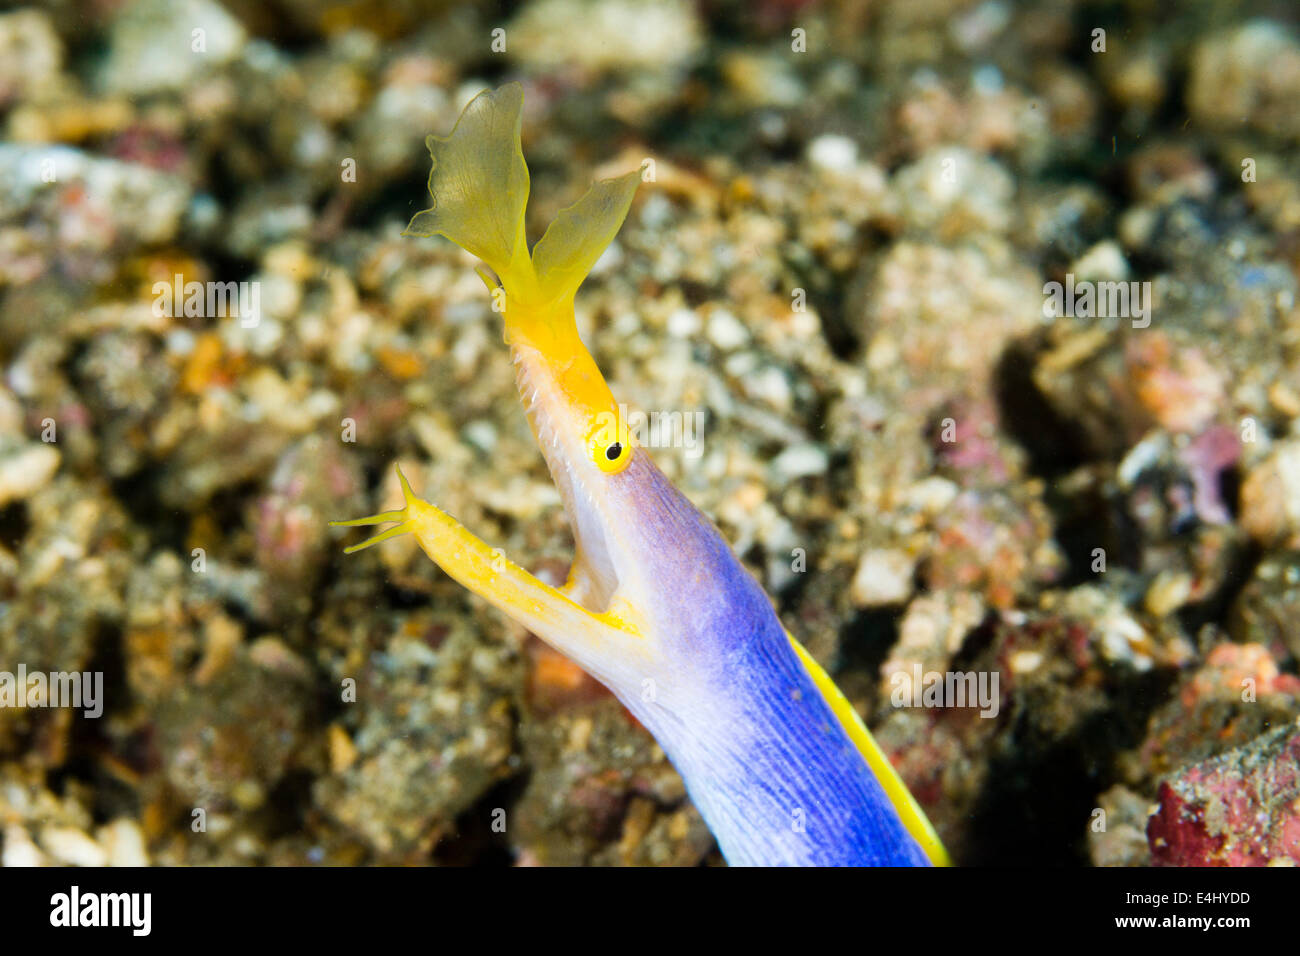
<point>613,451</point>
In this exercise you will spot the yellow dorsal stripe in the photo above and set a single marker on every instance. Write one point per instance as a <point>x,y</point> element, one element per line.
<point>909,811</point>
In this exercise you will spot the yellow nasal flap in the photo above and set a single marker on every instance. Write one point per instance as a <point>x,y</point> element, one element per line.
<point>479,185</point>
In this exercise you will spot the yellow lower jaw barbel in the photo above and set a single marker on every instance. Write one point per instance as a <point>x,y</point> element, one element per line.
<point>657,607</point>
<point>543,609</point>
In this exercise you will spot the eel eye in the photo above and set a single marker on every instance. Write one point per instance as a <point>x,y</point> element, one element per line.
<point>612,457</point>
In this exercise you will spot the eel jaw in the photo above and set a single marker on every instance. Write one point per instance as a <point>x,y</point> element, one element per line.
<point>593,575</point>
<point>608,643</point>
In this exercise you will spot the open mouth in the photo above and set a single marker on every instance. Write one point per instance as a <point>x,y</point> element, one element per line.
<point>593,576</point>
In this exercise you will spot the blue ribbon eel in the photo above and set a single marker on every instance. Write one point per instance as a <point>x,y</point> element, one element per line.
<point>775,759</point>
